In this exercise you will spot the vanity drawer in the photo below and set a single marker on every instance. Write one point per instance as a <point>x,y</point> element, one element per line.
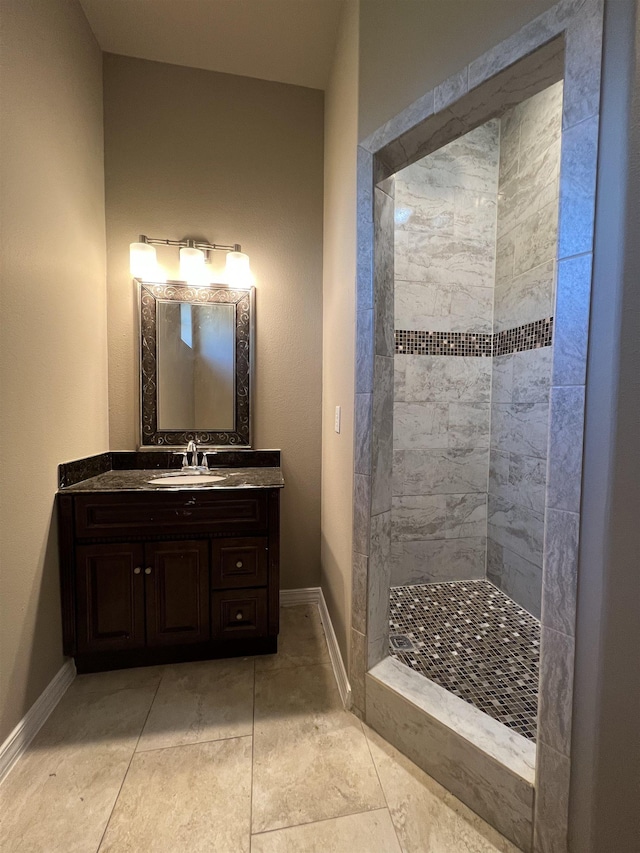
<point>239,562</point>
<point>135,513</point>
<point>239,613</point>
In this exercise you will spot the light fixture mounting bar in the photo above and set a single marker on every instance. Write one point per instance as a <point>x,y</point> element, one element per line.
<point>206,247</point>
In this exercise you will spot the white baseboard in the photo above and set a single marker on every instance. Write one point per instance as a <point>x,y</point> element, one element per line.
<point>314,595</point>
<point>34,719</point>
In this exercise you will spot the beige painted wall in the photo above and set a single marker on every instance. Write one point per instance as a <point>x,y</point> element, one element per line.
<point>192,153</point>
<point>408,47</point>
<point>341,137</point>
<point>53,349</point>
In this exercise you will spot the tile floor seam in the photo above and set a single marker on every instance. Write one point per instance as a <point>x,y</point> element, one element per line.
<point>133,753</point>
<point>384,793</point>
<point>191,743</point>
<point>322,820</point>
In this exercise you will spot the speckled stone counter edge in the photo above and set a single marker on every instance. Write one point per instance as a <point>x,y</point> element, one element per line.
<point>70,473</point>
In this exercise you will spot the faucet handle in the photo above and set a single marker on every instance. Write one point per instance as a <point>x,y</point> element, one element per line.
<point>183,453</point>
<point>205,458</point>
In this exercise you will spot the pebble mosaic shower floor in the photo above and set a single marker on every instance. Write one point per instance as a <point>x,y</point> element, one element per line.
<point>472,639</point>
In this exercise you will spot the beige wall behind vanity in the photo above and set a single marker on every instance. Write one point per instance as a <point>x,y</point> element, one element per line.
<point>53,346</point>
<point>192,153</point>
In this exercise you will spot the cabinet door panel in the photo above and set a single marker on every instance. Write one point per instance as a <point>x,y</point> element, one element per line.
<point>177,592</point>
<point>110,597</point>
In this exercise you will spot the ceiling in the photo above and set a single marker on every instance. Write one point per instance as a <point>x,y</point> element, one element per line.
<point>289,41</point>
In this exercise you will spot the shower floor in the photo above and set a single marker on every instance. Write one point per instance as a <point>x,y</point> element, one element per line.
<point>472,639</point>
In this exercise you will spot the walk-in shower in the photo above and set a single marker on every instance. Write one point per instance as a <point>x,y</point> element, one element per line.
<point>475,240</point>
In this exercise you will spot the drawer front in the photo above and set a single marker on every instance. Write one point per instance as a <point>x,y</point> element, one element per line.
<point>239,562</point>
<point>239,613</point>
<point>128,514</point>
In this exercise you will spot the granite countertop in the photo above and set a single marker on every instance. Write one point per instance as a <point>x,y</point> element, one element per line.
<point>138,480</point>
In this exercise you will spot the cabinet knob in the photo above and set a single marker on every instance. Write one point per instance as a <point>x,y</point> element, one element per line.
<point>239,616</point>
<point>137,570</point>
<point>147,571</point>
<point>239,564</point>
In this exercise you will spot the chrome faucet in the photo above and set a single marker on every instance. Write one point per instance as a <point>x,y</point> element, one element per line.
<point>192,449</point>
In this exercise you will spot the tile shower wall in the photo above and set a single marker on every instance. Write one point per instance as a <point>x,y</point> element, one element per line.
<point>524,293</point>
<point>445,255</point>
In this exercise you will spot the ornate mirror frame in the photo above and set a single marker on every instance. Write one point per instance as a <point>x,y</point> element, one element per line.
<point>149,295</point>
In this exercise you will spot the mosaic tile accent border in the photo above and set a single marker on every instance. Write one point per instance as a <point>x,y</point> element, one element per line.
<point>409,342</point>
<point>476,344</point>
<point>473,640</point>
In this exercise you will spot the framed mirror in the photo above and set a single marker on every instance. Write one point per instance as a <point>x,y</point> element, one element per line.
<point>196,354</point>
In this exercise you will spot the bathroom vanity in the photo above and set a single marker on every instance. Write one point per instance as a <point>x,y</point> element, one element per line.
<point>154,574</point>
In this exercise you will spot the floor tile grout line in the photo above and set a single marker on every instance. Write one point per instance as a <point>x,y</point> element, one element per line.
<point>322,820</point>
<point>253,742</point>
<point>384,793</point>
<point>191,743</point>
<point>126,773</point>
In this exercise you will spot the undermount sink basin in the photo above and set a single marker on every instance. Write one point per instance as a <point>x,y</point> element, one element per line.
<point>185,479</point>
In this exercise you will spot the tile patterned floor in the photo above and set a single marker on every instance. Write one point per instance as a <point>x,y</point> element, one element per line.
<point>235,756</point>
<point>472,639</point>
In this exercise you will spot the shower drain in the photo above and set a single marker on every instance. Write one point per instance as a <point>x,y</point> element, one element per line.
<point>401,643</point>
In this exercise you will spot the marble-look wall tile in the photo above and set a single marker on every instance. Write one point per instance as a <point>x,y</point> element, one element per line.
<point>555,701</point>
<point>534,186</point>
<point>421,256</point>
<point>560,571</point>
<point>502,379</point>
<point>524,298</point>
<point>540,121</point>
<point>423,203</point>
<point>416,112</point>
<point>359,569</point>
<point>515,576</point>
<point>501,797</point>
<point>362,434</point>
<point>571,323</point>
<point>475,217</point>
<point>364,351</point>
<point>577,188</point>
<point>453,88</point>
<point>399,375</point>
<point>564,472</point>
<point>535,239</point>
<point>532,375</point>
<point>469,425</point>
<point>383,273</point>
<point>397,474</point>
<point>357,669</point>
<point>361,512</point>
<point>422,517</point>
<point>382,436</point>
<point>520,428</point>
<point>517,528</point>
<point>505,258</point>
<point>387,185</point>
<point>364,275</point>
<point>436,560</point>
<point>583,57</point>
<point>553,773</point>
<point>436,379</point>
<point>453,471</point>
<point>518,479</point>
<point>420,425</point>
<point>443,306</point>
<point>378,584</point>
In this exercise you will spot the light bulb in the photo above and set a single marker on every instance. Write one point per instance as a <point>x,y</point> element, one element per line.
<point>142,261</point>
<point>192,265</point>
<point>238,271</point>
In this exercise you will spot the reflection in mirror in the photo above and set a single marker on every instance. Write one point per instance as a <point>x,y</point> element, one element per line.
<point>196,350</point>
<point>196,361</point>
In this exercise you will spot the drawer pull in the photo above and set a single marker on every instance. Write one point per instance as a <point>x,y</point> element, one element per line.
<point>147,571</point>
<point>239,616</point>
<point>239,564</point>
<point>137,570</point>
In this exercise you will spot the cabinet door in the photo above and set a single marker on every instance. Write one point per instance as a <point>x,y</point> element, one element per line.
<point>110,588</point>
<point>239,562</point>
<point>177,592</point>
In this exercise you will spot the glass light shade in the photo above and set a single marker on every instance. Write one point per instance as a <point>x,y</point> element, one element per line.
<point>238,272</point>
<point>142,261</point>
<point>192,265</point>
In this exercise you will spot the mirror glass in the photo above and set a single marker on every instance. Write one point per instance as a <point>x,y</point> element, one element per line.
<point>196,348</point>
<point>196,366</point>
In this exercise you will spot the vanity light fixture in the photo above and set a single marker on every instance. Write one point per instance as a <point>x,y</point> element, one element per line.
<point>193,257</point>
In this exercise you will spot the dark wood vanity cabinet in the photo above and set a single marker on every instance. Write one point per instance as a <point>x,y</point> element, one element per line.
<point>153,577</point>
